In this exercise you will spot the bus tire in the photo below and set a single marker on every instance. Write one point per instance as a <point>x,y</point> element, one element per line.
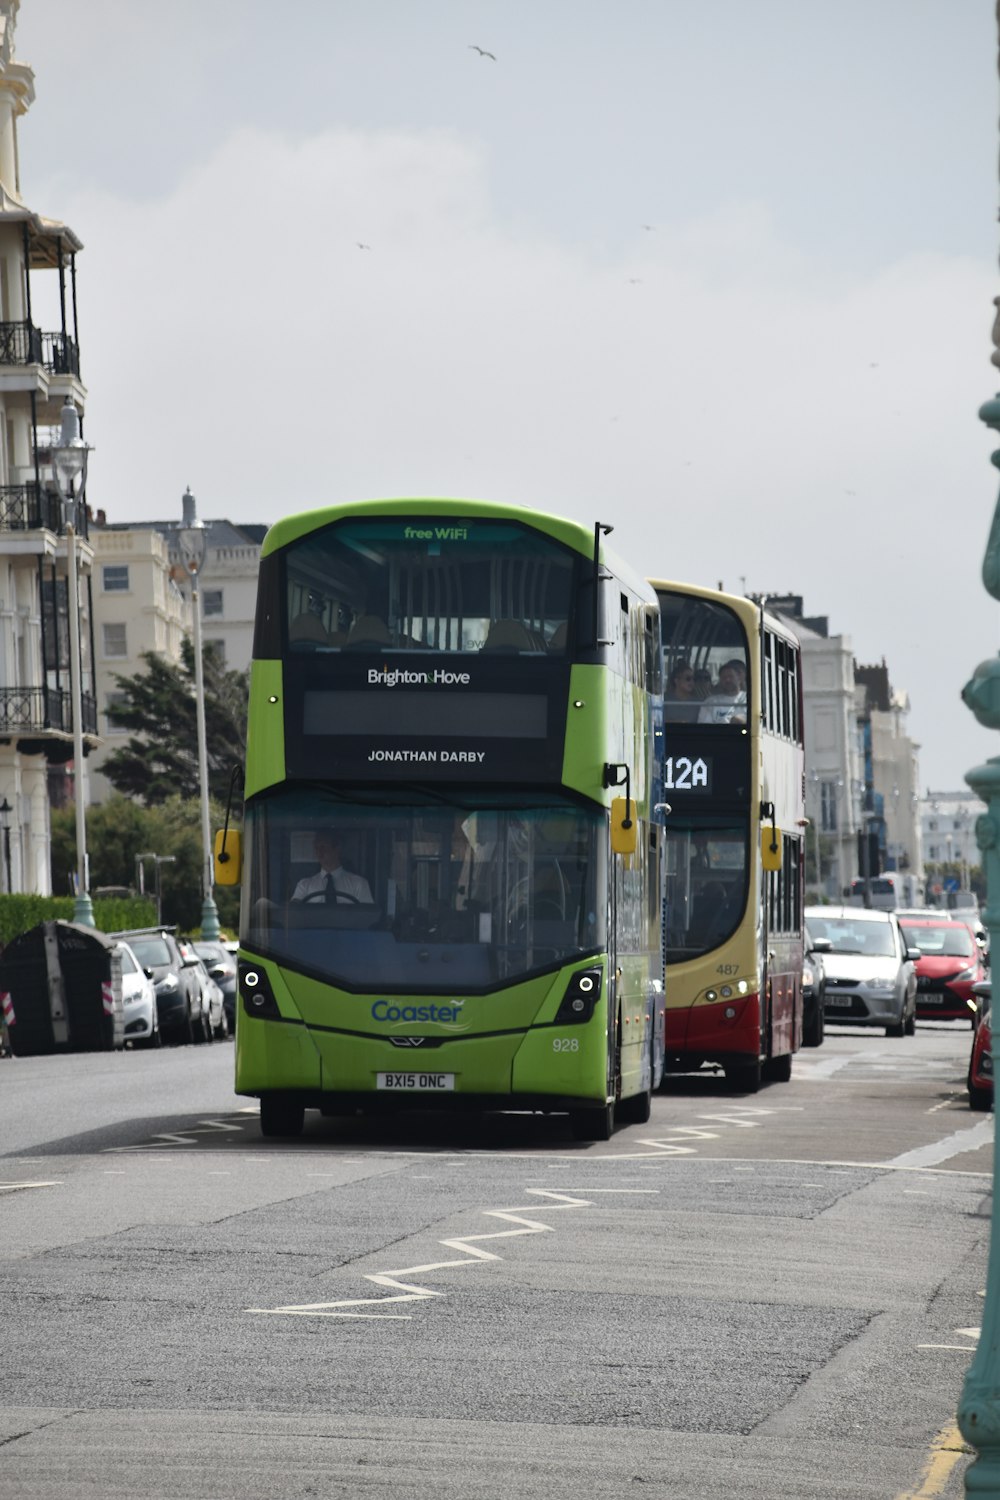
<point>744,1076</point>
<point>779,1069</point>
<point>636,1109</point>
<point>281,1116</point>
<point>591,1124</point>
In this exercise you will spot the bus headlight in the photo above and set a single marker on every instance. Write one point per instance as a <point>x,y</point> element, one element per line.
<point>582,995</point>
<point>258,997</point>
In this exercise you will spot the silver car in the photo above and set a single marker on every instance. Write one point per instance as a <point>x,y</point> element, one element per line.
<point>871,979</point>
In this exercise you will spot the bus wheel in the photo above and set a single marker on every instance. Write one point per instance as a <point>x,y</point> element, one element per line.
<point>280,1116</point>
<point>590,1124</point>
<point>744,1076</point>
<point>779,1069</point>
<point>636,1109</point>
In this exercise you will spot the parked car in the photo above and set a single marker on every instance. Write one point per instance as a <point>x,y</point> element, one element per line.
<point>871,977</point>
<point>948,969</point>
<point>814,989</point>
<point>211,992</point>
<point>142,1023</point>
<point>980,1079</point>
<point>220,961</point>
<point>180,1007</point>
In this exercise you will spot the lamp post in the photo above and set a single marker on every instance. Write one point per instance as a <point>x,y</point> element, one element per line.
<point>192,540</point>
<point>979,1408</point>
<point>70,462</point>
<point>5,812</point>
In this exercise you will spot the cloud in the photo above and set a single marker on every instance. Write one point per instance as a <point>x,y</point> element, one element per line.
<point>736,409</point>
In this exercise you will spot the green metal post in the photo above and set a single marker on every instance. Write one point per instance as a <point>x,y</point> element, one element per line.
<point>979,1408</point>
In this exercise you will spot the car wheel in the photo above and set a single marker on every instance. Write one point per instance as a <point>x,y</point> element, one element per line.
<point>910,1025</point>
<point>980,1099</point>
<point>812,1031</point>
<point>281,1116</point>
<point>899,1029</point>
<point>222,1030</point>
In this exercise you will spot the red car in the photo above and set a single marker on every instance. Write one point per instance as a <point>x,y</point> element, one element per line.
<point>950,964</point>
<point>980,1080</point>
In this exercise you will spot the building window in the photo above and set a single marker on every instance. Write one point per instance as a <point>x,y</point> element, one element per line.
<point>828,806</point>
<point>115,700</point>
<point>212,602</point>
<point>115,640</point>
<point>115,579</point>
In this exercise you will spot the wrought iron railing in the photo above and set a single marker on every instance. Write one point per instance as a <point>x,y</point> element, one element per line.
<point>28,507</point>
<point>60,355</point>
<point>20,344</point>
<point>24,344</point>
<point>33,710</point>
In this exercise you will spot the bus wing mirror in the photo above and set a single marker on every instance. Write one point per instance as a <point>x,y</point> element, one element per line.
<point>770,848</point>
<point>228,856</point>
<point>623,825</point>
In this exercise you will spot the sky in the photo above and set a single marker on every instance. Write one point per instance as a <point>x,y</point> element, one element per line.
<point>718,274</point>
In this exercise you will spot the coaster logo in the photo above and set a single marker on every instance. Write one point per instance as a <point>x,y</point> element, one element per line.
<point>391,677</point>
<point>382,1010</point>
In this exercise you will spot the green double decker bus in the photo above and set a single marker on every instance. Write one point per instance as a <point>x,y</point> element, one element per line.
<point>451,844</point>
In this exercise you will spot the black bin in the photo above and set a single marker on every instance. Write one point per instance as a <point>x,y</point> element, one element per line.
<point>61,991</point>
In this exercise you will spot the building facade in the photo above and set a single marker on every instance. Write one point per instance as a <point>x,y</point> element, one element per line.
<point>39,372</point>
<point>138,608</point>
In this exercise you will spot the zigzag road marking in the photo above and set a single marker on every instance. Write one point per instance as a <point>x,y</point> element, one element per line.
<point>17,1187</point>
<point>405,1291</point>
<point>189,1138</point>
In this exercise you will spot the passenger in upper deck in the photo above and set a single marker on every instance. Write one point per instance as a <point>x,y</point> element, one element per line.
<point>728,704</point>
<point>681,701</point>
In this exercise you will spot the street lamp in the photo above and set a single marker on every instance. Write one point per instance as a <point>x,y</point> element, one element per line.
<point>158,860</point>
<point>5,812</point>
<point>70,462</point>
<point>192,540</point>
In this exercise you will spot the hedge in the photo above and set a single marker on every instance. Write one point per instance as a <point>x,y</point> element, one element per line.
<point>19,913</point>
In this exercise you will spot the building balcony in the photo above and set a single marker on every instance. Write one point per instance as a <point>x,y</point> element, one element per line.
<point>32,507</point>
<point>24,344</point>
<point>38,711</point>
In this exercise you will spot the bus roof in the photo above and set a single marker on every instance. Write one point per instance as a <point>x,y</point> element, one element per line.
<point>748,610</point>
<point>573,534</point>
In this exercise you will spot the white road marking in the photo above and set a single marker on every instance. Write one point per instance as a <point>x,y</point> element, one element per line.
<point>970,1139</point>
<point>16,1187</point>
<point>407,1291</point>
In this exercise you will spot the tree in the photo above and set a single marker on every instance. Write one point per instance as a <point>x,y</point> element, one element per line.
<point>120,829</point>
<point>160,758</point>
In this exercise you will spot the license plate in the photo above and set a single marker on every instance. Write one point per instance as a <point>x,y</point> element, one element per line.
<point>845,1000</point>
<point>931,999</point>
<point>430,1083</point>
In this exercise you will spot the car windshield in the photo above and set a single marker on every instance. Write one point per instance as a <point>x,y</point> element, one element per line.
<point>151,951</point>
<point>940,942</point>
<point>848,936</point>
<point>418,895</point>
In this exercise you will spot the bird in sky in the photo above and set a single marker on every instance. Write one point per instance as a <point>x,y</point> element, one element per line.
<point>361,245</point>
<point>482,51</point>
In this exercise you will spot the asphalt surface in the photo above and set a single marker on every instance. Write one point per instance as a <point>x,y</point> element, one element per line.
<point>776,1295</point>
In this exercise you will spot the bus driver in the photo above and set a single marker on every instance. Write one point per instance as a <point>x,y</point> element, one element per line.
<point>331,881</point>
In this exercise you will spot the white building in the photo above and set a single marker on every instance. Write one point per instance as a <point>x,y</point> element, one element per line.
<point>948,830</point>
<point>138,607</point>
<point>39,371</point>
<point>832,752</point>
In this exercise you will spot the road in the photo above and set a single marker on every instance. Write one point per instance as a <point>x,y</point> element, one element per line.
<point>771,1296</point>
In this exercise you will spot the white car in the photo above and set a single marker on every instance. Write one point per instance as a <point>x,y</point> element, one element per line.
<point>142,1026</point>
<point>871,977</point>
<point>213,1001</point>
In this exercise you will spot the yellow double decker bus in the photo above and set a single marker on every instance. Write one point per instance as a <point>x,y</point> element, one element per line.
<point>734,782</point>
